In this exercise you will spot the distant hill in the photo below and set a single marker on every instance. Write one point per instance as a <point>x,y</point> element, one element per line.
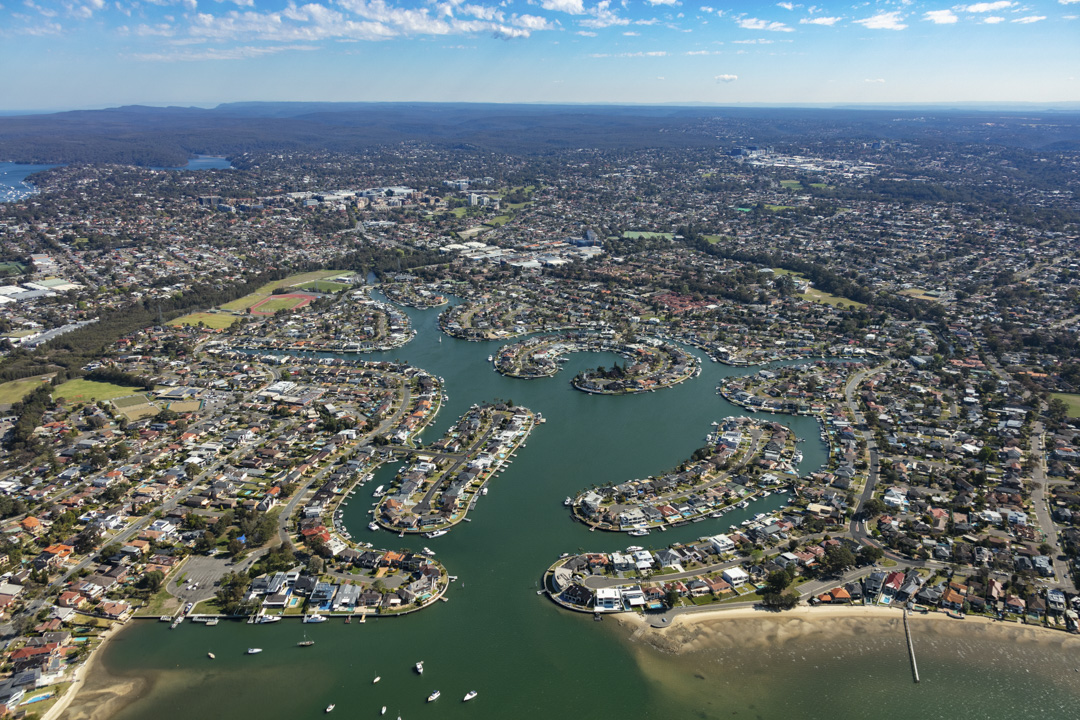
<point>169,136</point>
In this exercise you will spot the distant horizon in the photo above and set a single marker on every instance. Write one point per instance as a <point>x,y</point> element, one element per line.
<point>967,105</point>
<point>107,53</point>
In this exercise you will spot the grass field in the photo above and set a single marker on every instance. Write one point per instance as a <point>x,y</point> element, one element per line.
<point>713,239</point>
<point>217,321</point>
<point>791,184</point>
<point>323,286</point>
<point>12,268</point>
<point>264,292</point>
<point>918,294</point>
<point>130,400</point>
<point>87,390</point>
<point>778,208</point>
<point>16,390</point>
<point>138,412</point>
<point>1070,399</point>
<point>498,221</point>
<point>640,235</point>
<point>826,299</point>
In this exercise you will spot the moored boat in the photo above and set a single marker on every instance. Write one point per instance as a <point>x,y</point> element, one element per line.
<point>469,696</point>
<point>254,651</point>
<point>419,667</point>
<point>434,696</point>
<point>330,707</point>
<point>314,618</point>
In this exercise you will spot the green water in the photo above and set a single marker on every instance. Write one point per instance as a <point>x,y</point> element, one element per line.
<point>526,657</point>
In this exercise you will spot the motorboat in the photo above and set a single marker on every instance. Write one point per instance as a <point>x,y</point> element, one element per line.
<point>419,667</point>
<point>377,679</point>
<point>254,651</point>
<point>469,696</point>
<point>314,618</point>
<point>330,707</point>
<point>567,502</point>
<point>638,533</point>
<point>383,712</point>
<point>210,655</point>
<point>373,526</point>
<point>434,696</point>
<point>428,551</point>
<point>435,534</point>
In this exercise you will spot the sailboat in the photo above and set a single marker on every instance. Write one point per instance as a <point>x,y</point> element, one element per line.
<point>305,642</point>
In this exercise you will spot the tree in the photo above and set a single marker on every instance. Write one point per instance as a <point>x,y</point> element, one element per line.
<point>838,558</point>
<point>874,507</point>
<point>868,554</point>
<point>153,580</point>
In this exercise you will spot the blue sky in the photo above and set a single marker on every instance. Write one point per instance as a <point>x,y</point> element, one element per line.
<point>59,54</point>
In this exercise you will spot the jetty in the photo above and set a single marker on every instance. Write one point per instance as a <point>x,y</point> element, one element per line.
<point>910,648</point>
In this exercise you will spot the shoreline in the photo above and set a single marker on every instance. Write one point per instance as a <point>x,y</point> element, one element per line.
<point>714,629</point>
<point>100,694</point>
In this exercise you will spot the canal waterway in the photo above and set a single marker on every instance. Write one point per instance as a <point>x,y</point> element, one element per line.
<point>526,657</point>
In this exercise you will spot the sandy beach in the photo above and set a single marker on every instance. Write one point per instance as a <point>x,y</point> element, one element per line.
<point>748,628</point>
<point>95,694</point>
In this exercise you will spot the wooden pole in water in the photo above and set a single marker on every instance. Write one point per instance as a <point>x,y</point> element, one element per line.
<point>911,648</point>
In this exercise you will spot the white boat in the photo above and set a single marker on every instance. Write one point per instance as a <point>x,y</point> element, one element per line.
<point>634,548</point>
<point>314,618</point>
<point>419,667</point>
<point>567,502</point>
<point>373,526</point>
<point>483,491</point>
<point>378,491</point>
<point>262,619</point>
<point>210,655</point>
<point>435,534</point>
<point>434,696</point>
<point>469,696</point>
<point>254,651</point>
<point>377,679</point>
<point>428,551</point>
<point>383,710</point>
<point>330,707</point>
<point>491,358</point>
<point>638,533</point>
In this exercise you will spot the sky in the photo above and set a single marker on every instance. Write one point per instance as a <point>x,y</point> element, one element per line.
<point>66,54</point>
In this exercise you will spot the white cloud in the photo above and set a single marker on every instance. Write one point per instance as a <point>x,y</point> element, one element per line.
<point>987,6</point>
<point>753,42</point>
<point>586,33</point>
<point>1029,19</point>
<point>240,3</point>
<point>941,17</point>
<point>603,16</point>
<point>726,78</point>
<point>238,53</point>
<point>874,80</point>
<point>830,21</point>
<point>786,5</point>
<point>883,21</point>
<point>703,52</point>
<point>650,54</point>
<point>1068,2</point>
<point>756,24</point>
<point>573,7</point>
<point>632,33</point>
<point>993,19</point>
<point>654,3</point>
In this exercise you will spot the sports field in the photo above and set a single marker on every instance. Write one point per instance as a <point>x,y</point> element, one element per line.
<point>272,304</point>
<point>264,292</point>
<point>79,390</point>
<point>216,321</point>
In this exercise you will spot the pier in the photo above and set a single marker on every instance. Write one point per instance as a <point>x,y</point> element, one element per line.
<point>911,648</point>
